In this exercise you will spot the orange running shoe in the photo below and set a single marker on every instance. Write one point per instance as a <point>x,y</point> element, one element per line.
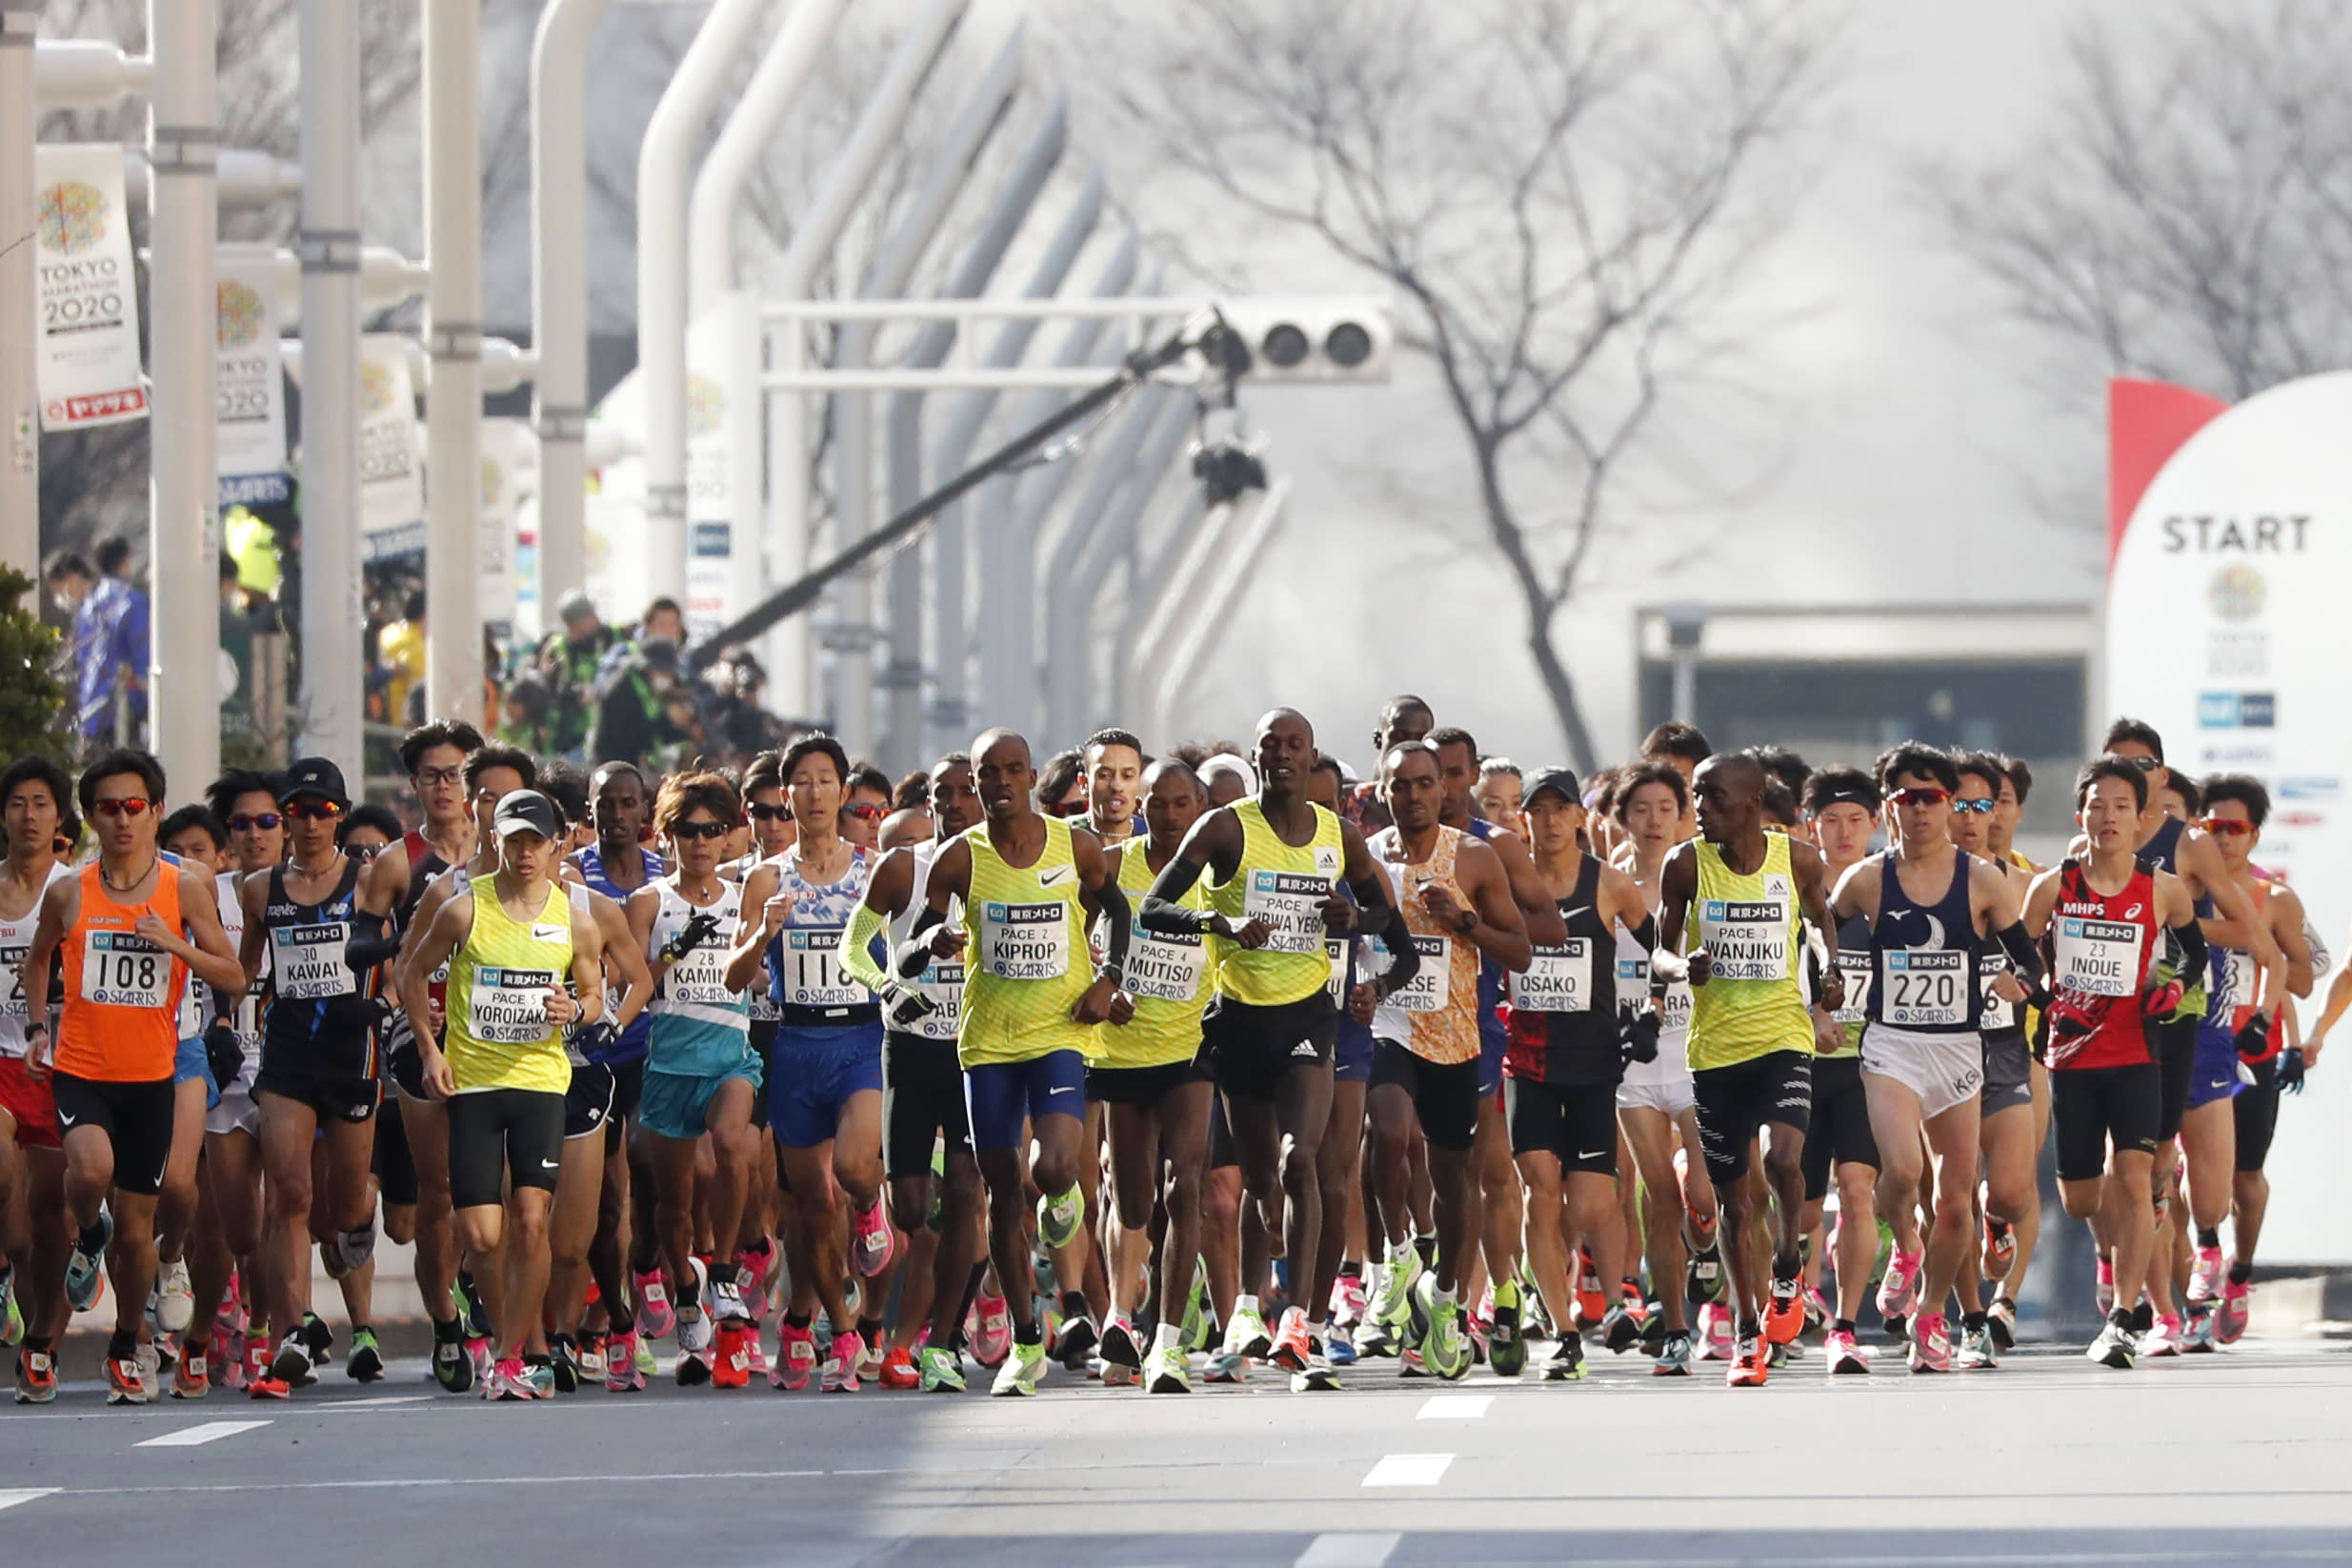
<point>1290,1349</point>
<point>190,1379</point>
<point>731,1365</point>
<point>899,1370</point>
<point>1784,1313</point>
<point>1592,1300</point>
<point>1747,1365</point>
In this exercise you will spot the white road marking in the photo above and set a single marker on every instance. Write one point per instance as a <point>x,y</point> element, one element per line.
<point>1409,1470</point>
<point>191,1436</point>
<point>378,1404</point>
<point>1337,1549</point>
<point>1455,1407</point>
<point>9,1499</point>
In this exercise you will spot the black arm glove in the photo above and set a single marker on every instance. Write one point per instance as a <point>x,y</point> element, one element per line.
<point>373,941</point>
<point>699,928</point>
<point>2291,1071</point>
<point>2027,960</point>
<point>1637,1039</point>
<point>223,1053</point>
<point>2253,1041</point>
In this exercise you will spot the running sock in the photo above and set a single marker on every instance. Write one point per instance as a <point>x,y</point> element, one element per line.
<point>1785,1268</point>
<point>93,1241</point>
<point>1244,1304</point>
<point>447,1334</point>
<point>1032,1334</point>
<point>1507,1296</point>
<point>799,1321</point>
<point>869,1330</point>
<point>2240,1272</point>
<point>1074,1303</point>
<point>1167,1338</point>
<point>121,1345</point>
<point>2208,1235</point>
<point>2121,1317</point>
<point>1350,1271</point>
<point>721,1273</point>
<point>1427,1247</point>
<point>1972,1321</point>
<point>1844,1325</point>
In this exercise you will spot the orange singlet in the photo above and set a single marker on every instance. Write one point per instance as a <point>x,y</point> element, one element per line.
<point>120,1022</point>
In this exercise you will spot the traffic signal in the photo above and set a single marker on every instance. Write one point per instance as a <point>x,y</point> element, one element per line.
<point>1287,339</point>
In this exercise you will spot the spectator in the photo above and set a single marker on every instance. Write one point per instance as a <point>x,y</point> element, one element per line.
<point>523,716</point>
<point>400,648</point>
<point>568,660</point>
<point>109,648</point>
<point>251,544</point>
<point>632,716</point>
<point>734,721</point>
<point>662,618</point>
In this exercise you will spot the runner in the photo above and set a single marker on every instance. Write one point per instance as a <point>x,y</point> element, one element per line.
<point>1679,746</point>
<point>2241,1024</point>
<point>511,942</point>
<point>1028,886</point>
<point>1735,904</point>
<point>1841,807</point>
<point>1458,910</point>
<point>1339,1279</point>
<point>2006,1125</point>
<point>133,927</point>
<point>1501,793</point>
<point>1157,1092</point>
<point>825,1097</point>
<point>1500,1205</point>
<point>434,757</point>
<point>2100,917</point>
<point>1403,717</point>
<point>923,1102</point>
<point>701,1076</point>
<point>1274,861</point>
<point>37,815</point>
<point>320,1077</point>
<point>195,836</point>
<point>617,865</point>
<point>1570,1044</point>
<point>1655,1109</point>
<point>1931,907</point>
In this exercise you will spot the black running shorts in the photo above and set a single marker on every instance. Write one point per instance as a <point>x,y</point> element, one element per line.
<point>1249,1050</point>
<point>1574,1122</point>
<point>330,1098</point>
<point>1445,1095</point>
<point>922,1101</point>
<point>1838,1129</point>
<point>493,1132</point>
<point>1143,1086</point>
<point>587,1104</point>
<point>2257,1107</point>
<point>1735,1103</point>
<point>2174,1045</point>
<point>2091,1106</point>
<point>137,1118</point>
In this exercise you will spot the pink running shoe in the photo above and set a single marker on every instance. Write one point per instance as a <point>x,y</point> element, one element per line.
<point>874,1244</point>
<point>2229,1323</point>
<point>1846,1355</point>
<point>754,1353</point>
<point>1898,1292</point>
<point>655,1318</point>
<point>1715,1331</point>
<point>508,1379</point>
<point>620,1364</point>
<point>752,1281</point>
<point>796,1359</point>
<point>2205,1276</point>
<point>1348,1301</point>
<point>991,1337</point>
<point>1931,1343</point>
<point>2164,1338</point>
<point>840,1374</point>
<point>2106,1286</point>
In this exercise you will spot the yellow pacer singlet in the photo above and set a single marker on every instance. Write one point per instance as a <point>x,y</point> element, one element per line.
<point>1026,962</point>
<point>498,1035</point>
<point>1752,927</point>
<point>1167,975</point>
<point>1283,885</point>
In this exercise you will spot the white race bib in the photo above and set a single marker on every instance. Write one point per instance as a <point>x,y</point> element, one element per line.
<point>1290,906</point>
<point>1166,969</point>
<point>508,1006</point>
<point>1993,1014</point>
<point>2238,973</point>
<point>122,968</point>
<point>2098,958</point>
<point>700,979</point>
<point>12,982</point>
<point>1860,973</point>
<point>1558,981</point>
<point>1744,940</point>
<point>1924,988</point>
<point>943,982</point>
<point>1427,992</point>
<point>307,961</point>
<point>812,975</point>
<point>1338,988</point>
<point>1025,941</point>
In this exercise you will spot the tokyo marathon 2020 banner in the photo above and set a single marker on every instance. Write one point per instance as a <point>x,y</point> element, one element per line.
<point>2228,628</point>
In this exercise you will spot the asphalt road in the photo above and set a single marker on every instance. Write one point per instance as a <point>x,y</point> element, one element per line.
<point>2239,1458</point>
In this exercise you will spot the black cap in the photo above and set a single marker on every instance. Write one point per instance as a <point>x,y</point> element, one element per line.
<point>313,775</point>
<point>527,810</point>
<point>1562,781</point>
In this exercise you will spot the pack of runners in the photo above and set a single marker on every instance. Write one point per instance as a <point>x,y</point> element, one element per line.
<point>1191,1066</point>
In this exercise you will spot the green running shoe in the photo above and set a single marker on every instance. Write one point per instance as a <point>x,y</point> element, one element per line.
<point>1167,1371</point>
<point>943,1371</point>
<point>1059,1215</point>
<point>366,1363</point>
<point>1445,1349</point>
<point>1020,1372</point>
